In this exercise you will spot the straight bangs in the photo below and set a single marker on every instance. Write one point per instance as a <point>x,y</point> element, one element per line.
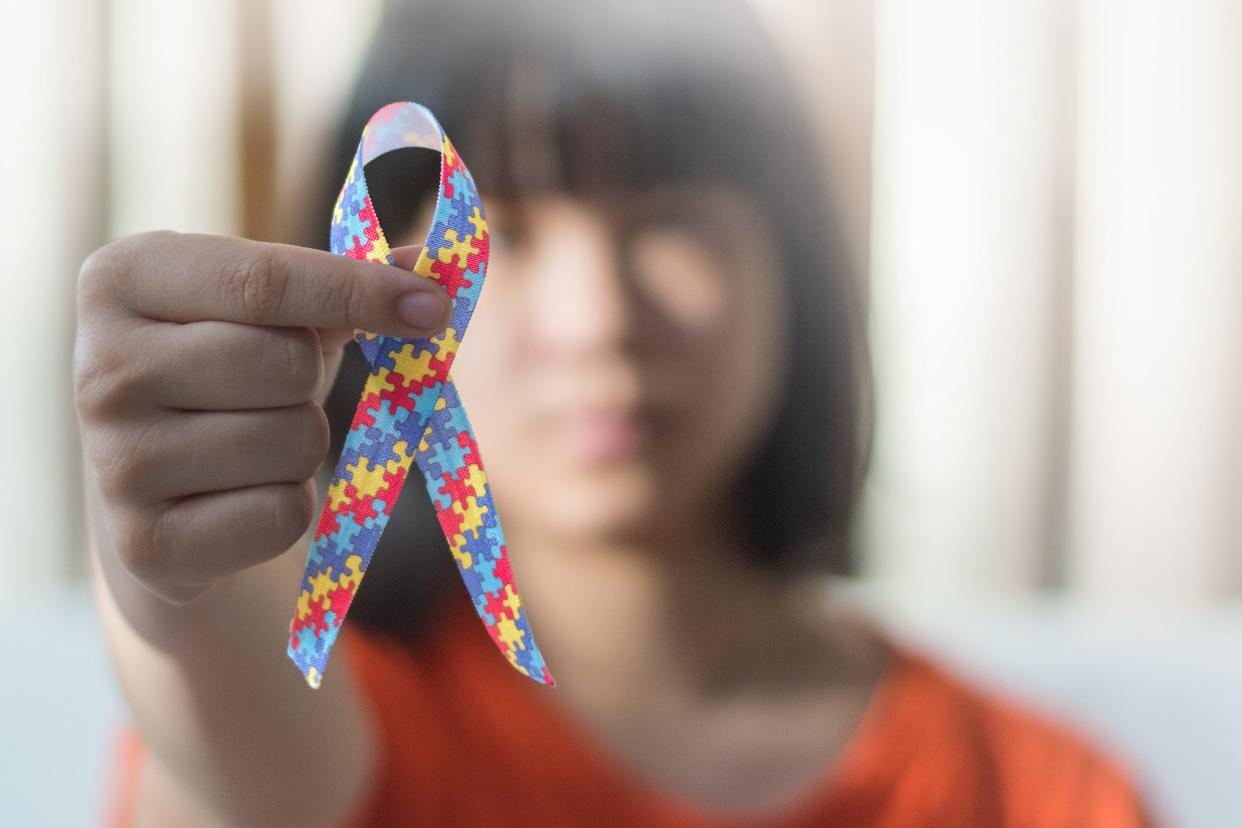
<point>583,99</point>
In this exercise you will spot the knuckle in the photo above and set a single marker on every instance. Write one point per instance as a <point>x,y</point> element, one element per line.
<point>152,240</point>
<point>104,269</point>
<point>126,457</point>
<point>313,436</point>
<point>353,298</point>
<point>255,284</point>
<point>119,464</point>
<point>108,368</point>
<point>291,511</point>
<point>99,272</point>
<point>300,362</point>
<point>140,545</point>
<point>105,378</point>
<point>94,378</point>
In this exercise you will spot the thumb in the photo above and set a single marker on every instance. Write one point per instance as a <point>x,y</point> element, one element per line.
<point>403,258</point>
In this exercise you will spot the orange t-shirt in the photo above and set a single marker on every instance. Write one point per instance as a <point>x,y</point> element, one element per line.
<point>468,741</point>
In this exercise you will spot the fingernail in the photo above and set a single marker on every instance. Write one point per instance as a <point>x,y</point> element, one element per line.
<point>422,310</point>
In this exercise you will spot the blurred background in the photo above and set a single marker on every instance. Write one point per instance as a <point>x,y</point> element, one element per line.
<point>1045,199</point>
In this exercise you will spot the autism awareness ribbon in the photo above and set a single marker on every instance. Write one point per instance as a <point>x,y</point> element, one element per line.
<point>410,411</point>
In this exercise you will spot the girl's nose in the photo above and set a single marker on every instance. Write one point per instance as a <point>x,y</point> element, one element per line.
<point>582,299</point>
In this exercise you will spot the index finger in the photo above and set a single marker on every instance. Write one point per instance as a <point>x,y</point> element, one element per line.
<point>191,277</point>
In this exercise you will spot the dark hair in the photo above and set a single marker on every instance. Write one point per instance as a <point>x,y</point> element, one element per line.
<point>581,96</point>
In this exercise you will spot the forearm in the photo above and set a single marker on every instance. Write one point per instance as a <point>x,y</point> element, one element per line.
<point>200,366</point>
<point>221,707</point>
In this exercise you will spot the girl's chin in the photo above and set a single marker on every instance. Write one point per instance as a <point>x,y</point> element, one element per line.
<point>605,511</point>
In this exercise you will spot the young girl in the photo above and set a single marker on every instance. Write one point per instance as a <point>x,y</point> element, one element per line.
<point>667,377</point>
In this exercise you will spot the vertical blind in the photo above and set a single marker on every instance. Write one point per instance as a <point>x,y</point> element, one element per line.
<point>1045,193</point>
<point>1058,299</point>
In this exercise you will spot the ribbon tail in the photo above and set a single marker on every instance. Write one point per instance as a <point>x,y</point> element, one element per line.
<point>368,479</point>
<point>448,457</point>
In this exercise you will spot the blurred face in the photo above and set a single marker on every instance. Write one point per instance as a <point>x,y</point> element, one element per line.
<point>624,357</point>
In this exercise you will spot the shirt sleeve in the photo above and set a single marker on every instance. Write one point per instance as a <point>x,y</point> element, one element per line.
<point>1055,775</point>
<point>406,782</point>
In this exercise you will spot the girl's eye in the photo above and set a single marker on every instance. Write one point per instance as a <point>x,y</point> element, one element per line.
<point>677,269</point>
<point>505,235</point>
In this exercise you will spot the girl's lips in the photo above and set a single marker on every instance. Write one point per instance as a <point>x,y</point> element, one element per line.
<point>602,435</point>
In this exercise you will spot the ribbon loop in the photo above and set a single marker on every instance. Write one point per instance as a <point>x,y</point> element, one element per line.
<point>410,411</point>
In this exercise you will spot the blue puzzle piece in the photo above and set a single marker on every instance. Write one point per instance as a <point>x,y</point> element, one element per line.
<point>441,458</point>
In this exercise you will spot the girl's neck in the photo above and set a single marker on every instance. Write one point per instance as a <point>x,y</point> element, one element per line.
<point>673,618</point>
